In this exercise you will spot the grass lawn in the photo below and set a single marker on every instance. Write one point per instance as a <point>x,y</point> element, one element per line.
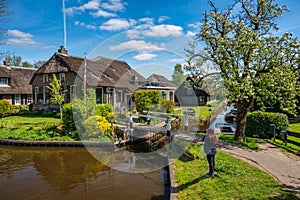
<point>295,127</point>
<point>30,128</point>
<point>234,179</point>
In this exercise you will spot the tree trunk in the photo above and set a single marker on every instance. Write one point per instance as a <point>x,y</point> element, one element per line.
<point>60,111</point>
<point>242,109</point>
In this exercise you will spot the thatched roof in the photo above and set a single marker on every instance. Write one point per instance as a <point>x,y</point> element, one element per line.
<point>160,80</point>
<point>101,71</point>
<point>19,79</point>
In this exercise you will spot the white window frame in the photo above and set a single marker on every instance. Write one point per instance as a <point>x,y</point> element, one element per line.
<point>36,92</point>
<point>18,99</point>
<point>73,92</point>
<point>45,78</point>
<point>62,77</point>
<point>4,80</point>
<point>45,100</point>
<point>29,99</point>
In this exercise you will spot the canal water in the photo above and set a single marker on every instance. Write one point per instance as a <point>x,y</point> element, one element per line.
<point>71,173</point>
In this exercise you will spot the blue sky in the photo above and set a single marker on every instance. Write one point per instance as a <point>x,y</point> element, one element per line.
<point>149,35</point>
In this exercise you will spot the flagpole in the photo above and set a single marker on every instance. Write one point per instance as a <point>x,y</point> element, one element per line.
<point>84,77</point>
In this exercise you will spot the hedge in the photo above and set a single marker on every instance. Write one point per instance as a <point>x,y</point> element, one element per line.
<point>258,123</point>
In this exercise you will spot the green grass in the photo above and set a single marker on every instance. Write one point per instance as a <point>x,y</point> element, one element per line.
<point>30,128</point>
<point>295,127</point>
<point>234,179</point>
<point>250,142</point>
<point>289,147</point>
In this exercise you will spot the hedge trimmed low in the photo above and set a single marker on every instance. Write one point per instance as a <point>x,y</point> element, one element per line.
<point>258,123</point>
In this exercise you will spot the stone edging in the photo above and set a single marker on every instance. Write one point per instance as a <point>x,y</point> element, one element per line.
<point>53,143</point>
<point>173,186</point>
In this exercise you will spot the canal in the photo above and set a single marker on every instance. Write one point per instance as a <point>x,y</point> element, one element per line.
<point>71,173</point>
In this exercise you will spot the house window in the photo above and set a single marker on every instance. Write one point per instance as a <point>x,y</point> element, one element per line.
<point>73,89</point>
<point>17,99</point>
<point>29,99</point>
<point>164,95</point>
<point>36,93</point>
<point>119,96</point>
<point>171,95</point>
<point>3,81</point>
<point>45,78</point>
<point>62,77</point>
<point>45,95</point>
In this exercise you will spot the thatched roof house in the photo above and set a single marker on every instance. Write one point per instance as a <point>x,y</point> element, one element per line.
<point>113,80</point>
<point>14,84</point>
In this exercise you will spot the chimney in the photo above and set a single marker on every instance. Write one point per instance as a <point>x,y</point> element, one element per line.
<point>6,63</point>
<point>63,50</point>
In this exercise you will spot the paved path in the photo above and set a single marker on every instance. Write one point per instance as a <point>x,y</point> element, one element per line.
<point>285,167</point>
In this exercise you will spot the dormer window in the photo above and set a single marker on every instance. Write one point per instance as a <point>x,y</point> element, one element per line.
<point>62,77</point>
<point>45,78</point>
<point>4,80</point>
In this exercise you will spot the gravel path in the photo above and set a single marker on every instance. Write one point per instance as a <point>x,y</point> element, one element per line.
<point>285,167</point>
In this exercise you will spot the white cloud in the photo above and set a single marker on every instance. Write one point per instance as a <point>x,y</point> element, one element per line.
<point>114,5</point>
<point>191,34</point>
<point>145,56</point>
<point>117,24</point>
<point>164,30</point>
<point>176,60</point>
<point>102,13</point>
<point>18,34</point>
<point>137,45</point>
<point>163,18</point>
<point>195,25</point>
<point>19,38</point>
<point>90,5</point>
<point>88,26</point>
<point>150,30</point>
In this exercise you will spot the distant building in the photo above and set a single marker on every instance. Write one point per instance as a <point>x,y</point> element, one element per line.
<point>162,84</point>
<point>14,84</point>
<point>189,95</point>
<point>113,80</point>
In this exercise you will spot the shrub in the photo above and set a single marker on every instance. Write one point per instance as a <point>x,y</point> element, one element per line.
<point>147,99</point>
<point>14,110</point>
<point>168,105</point>
<point>96,126</point>
<point>4,108</point>
<point>103,109</point>
<point>67,117</point>
<point>258,123</point>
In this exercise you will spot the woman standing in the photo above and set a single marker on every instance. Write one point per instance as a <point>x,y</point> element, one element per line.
<point>210,141</point>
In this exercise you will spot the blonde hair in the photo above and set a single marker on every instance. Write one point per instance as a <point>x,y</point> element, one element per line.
<point>211,133</point>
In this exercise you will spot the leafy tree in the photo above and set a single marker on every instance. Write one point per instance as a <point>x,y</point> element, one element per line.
<point>178,76</point>
<point>14,60</point>
<point>26,64</point>
<point>57,94</point>
<point>256,65</point>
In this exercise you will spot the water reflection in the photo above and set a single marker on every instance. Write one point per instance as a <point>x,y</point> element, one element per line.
<point>70,173</point>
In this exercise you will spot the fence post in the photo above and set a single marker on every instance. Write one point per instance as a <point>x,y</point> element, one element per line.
<point>148,119</point>
<point>131,127</point>
<point>186,122</point>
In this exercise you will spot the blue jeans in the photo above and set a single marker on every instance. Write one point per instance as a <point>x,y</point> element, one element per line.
<point>211,162</point>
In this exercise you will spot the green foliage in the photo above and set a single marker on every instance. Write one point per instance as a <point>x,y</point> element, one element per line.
<point>258,123</point>
<point>57,95</point>
<point>178,77</point>
<point>147,99</point>
<point>14,110</point>
<point>255,65</point>
<point>4,108</point>
<point>103,109</point>
<point>168,105</point>
<point>67,117</point>
<point>96,126</point>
